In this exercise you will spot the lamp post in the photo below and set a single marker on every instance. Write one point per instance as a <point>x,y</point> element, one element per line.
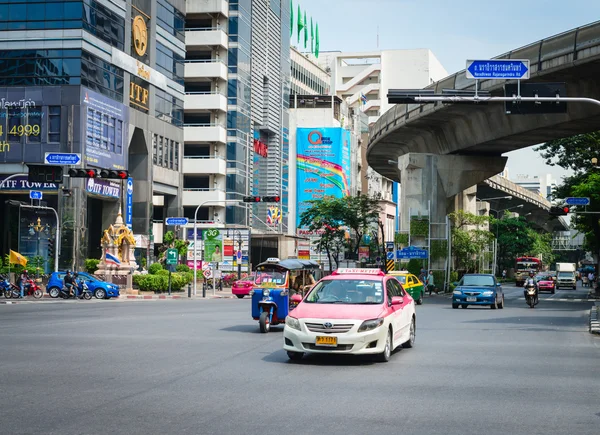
<point>495,266</point>
<point>38,228</point>
<point>227,201</point>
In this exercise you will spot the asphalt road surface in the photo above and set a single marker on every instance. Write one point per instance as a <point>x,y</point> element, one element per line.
<point>202,367</point>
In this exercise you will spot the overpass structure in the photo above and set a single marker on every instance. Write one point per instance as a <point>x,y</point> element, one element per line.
<point>436,151</point>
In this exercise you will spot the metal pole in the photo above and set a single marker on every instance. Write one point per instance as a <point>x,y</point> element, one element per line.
<point>409,219</point>
<point>57,247</point>
<point>429,235</point>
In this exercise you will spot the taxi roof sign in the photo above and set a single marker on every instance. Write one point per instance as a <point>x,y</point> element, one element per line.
<point>349,271</point>
<point>273,260</point>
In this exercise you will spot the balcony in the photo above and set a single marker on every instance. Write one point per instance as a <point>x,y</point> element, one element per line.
<point>201,133</point>
<point>205,68</point>
<point>202,101</point>
<point>195,197</point>
<point>204,165</point>
<point>207,7</point>
<point>206,37</point>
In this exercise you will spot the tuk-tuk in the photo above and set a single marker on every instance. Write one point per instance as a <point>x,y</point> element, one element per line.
<point>279,286</point>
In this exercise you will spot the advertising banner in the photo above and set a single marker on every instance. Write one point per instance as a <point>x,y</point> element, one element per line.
<point>129,204</point>
<point>363,252</point>
<point>323,162</point>
<point>21,183</point>
<point>213,245</point>
<point>100,187</point>
<point>105,131</point>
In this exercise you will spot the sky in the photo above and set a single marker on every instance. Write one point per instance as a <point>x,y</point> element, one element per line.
<point>453,30</point>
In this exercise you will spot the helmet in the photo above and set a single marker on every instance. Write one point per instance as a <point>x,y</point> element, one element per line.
<point>531,272</point>
<point>24,270</point>
<point>68,272</point>
<point>75,274</point>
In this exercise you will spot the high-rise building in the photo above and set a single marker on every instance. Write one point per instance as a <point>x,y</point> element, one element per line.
<point>543,184</point>
<point>308,78</point>
<point>237,84</point>
<point>102,79</point>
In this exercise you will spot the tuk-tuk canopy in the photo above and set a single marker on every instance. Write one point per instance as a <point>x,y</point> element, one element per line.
<point>292,264</point>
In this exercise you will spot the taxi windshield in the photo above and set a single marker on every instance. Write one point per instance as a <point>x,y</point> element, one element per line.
<point>401,278</point>
<point>272,277</point>
<point>539,278</point>
<point>346,291</point>
<point>476,281</point>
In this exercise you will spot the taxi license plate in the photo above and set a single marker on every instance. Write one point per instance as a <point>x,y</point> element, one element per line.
<point>473,299</point>
<point>326,341</point>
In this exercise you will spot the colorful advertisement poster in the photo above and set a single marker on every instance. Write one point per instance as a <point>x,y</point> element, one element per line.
<point>213,245</point>
<point>323,162</point>
<point>105,131</point>
<point>363,252</point>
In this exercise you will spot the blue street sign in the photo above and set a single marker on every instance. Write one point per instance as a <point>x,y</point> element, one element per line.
<point>390,255</point>
<point>177,221</point>
<point>35,194</point>
<point>410,253</point>
<point>378,259</point>
<point>389,245</point>
<point>129,204</point>
<point>62,158</point>
<point>501,69</point>
<point>577,201</point>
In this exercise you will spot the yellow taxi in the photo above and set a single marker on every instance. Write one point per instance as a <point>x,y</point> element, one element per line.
<point>411,284</point>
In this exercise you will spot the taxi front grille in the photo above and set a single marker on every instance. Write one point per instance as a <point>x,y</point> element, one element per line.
<point>339,328</point>
<point>472,293</point>
<point>312,346</point>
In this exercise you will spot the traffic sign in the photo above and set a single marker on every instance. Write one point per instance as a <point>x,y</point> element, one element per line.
<point>410,253</point>
<point>62,158</point>
<point>574,201</point>
<point>172,255</point>
<point>390,255</point>
<point>239,255</point>
<point>499,69</point>
<point>207,273</point>
<point>177,221</point>
<point>378,259</point>
<point>35,194</point>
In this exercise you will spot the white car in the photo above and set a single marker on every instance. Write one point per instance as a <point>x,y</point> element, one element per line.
<point>352,311</point>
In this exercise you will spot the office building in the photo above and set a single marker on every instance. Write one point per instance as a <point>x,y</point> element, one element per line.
<point>102,79</point>
<point>543,184</point>
<point>308,78</point>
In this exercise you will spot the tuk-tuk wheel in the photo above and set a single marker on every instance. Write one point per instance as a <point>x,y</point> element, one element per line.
<point>264,322</point>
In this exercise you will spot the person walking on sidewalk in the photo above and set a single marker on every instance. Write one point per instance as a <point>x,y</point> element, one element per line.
<point>431,283</point>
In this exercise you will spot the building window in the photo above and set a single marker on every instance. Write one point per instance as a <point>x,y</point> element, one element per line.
<point>103,23</point>
<point>101,76</point>
<point>169,63</point>
<point>40,67</point>
<point>168,108</point>
<point>171,19</point>
<point>154,149</point>
<point>177,145</point>
<point>54,124</point>
<point>160,150</point>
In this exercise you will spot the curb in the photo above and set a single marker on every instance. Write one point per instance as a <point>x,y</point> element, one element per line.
<point>594,323</point>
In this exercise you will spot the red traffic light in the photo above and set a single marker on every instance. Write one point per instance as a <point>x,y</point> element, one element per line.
<point>120,175</point>
<point>566,209</point>
<point>123,175</point>
<point>251,198</point>
<point>91,173</point>
<point>276,198</point>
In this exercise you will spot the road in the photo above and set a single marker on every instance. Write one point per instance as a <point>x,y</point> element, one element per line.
<point>201,367</point>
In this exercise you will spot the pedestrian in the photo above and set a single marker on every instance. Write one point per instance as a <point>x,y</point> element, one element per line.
<point>504,274</point>
<point>423,274</point>
<point>23,278</point>
<point>430,282</point>
<point>591,279</point>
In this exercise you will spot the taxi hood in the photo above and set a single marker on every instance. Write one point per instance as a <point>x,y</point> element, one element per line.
<point>338,311</point>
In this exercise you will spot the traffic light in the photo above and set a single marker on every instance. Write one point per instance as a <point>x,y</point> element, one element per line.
<point>119,175</point>
<point>51,248</point>
<point>559,211</point>
<point>271,198</point>
<point>251,198</point>
<point>45,174</point>
<point>83,173</point>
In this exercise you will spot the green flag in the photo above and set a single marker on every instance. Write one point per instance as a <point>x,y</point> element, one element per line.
<point>312,36</point>
<point>291,18</point>
<point>305,30</point>
<point>317,40</point>
<point>300,23</point>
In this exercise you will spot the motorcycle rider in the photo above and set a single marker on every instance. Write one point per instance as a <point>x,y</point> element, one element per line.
<point>69,282</point>
<point>531,281</point>
<point>23,279</point>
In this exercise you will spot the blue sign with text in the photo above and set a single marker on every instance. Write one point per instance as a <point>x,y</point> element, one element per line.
<point>62,158</point>
<point>35,194</point>
<point>411,253</point>
<point>177,221</point>
<point>129,204</point>
<point>577,201</point>
<point>502,69</point>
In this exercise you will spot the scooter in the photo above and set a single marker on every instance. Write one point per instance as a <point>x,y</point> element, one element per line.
<point>531,298</point>
<point>83,292</point>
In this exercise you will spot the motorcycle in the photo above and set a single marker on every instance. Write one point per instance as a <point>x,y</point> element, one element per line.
<point>82,291</point>
<point>531,298</point>
<point>13,291</point>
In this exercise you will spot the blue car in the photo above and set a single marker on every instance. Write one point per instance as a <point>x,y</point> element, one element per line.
<point>100,289</point>
<point>478,289</point>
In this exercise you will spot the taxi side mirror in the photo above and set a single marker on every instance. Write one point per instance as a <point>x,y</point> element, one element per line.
<point>397,300</point>
<point>296,298</point>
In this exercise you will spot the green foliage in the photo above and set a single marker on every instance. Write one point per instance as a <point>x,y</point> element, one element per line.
<point>419,226</point>
<point>439,249</point>
<point>37,264</point>
<point>160,282</point>
<point>439,277</point>
<point>170,241</point>
<point>359,213</point>
<point>154,268</point>
<point>414,266</point>
<point>144,262</point>
<point>91,265</point>
<point>401,239</point>
<point>14,268</point>
<point>574,153</point>
<point>162,272</point>
<point>469,239</point>
<point>182,268</point>
<point>453,276</point>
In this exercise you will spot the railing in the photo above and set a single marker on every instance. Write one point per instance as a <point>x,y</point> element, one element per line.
<point>203,125</point>
<point>205,61</point>
<point>203,189</point>
<point>205,93</point>
<point>204,29</point>
<point>204,157</point>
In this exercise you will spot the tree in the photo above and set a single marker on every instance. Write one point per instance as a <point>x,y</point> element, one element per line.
<point>576,153</point>
<point>359,214</point>
<point>470,238</point>
<point>171,241</point>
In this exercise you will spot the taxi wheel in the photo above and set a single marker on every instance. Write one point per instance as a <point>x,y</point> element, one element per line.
<point>295,356</point>
<point>387,350</point>
<point>420,300</point>
<point>413,334</point>
<point>455,306</point>
<point>501,304</point>
<point>553,291</point>
<point>240,296</point>
<point>264,322</point>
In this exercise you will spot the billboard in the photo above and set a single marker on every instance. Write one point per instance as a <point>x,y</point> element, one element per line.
<point>213,245</point>
<point>323,164</point>
<point>105,130</point>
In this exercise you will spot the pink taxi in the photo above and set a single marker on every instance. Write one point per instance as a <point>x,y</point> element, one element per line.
<point>242,287</point>
<point>352,311</point>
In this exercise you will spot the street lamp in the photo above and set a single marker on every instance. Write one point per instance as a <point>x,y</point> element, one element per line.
<point>509,197</point>
<point>227,201</point>
<point>497,228</point>
<point>38,228</point>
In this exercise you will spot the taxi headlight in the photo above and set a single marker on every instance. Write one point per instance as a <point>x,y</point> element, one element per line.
<point>369,325</point>
<point>457,292</point>
<point>488,293</point>
<point>266,292</point>
<point>292,322</point>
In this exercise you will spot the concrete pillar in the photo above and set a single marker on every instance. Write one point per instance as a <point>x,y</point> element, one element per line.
<point>434,180</point>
